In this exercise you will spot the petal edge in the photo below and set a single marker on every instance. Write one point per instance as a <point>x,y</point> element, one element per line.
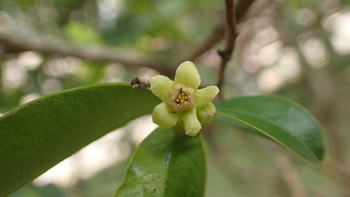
<point>161,86</point>
<point>191,123</point>
<point>205,113</point>
<point>205,95</point>
<point>162,117</point>
<point>187,74</point>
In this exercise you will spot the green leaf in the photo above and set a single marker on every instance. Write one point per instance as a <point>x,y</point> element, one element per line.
<point>166,164</point>
<point>36,136</point>
<point>283,121</point>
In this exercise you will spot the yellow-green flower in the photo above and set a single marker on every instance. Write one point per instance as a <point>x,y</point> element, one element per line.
<point>182,100</point>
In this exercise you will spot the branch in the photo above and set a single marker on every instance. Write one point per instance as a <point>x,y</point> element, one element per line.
<point>214,37</point>
<point>242,8</point>
<point>289,174</point>
<point>19,42</point>
<point>216,34</point>
<point>231,35</point>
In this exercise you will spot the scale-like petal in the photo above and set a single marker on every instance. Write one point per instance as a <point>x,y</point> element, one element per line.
<point>205,95</point>
<point>187,74</point>
<point>162,117</point>
<point>205,113</point>
<point>191,122</point>
<point>161,86</point>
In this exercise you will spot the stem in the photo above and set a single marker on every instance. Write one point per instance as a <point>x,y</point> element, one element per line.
<point>215,35</point>
<point>231,36</point>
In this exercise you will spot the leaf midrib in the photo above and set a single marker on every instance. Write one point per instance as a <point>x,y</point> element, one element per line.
<point>267,134</point>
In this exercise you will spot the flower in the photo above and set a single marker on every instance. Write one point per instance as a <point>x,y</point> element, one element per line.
<point>182,100</point>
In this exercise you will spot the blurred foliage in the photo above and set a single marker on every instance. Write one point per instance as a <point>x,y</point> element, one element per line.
<point>295,48</point>
<point>73,32</point>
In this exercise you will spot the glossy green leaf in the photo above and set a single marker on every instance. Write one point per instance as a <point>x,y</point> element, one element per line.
<point>283,121</point>
<point>36,136</point>
<point>166,164</point>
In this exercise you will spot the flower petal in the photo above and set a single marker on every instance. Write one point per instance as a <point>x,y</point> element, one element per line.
<point>205,113</point>
<point>162,117</point>
<point>161,86</point>
<point>191,122</point>
<point>205,95</point>
<point>187,74</point>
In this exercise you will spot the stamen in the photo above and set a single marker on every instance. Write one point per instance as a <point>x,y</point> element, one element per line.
<point>181,98</point>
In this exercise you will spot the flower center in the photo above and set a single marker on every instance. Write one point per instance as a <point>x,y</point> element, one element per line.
<point>181,98</point>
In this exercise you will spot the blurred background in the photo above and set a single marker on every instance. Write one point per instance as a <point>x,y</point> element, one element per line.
<point>299,49</point>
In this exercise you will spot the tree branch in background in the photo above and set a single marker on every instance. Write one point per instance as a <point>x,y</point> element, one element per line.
<point>214,37</point>
<point>231,35</point>
<point>216,34</point>
<point>288,172</point>
<point>19,42</point>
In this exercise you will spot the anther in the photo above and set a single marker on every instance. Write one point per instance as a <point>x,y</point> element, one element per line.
<point>181,98</point>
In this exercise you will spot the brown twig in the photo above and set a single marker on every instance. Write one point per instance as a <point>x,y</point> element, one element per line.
<point>208,42</point>
<point>215,35</point>
<point>231,35</point>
